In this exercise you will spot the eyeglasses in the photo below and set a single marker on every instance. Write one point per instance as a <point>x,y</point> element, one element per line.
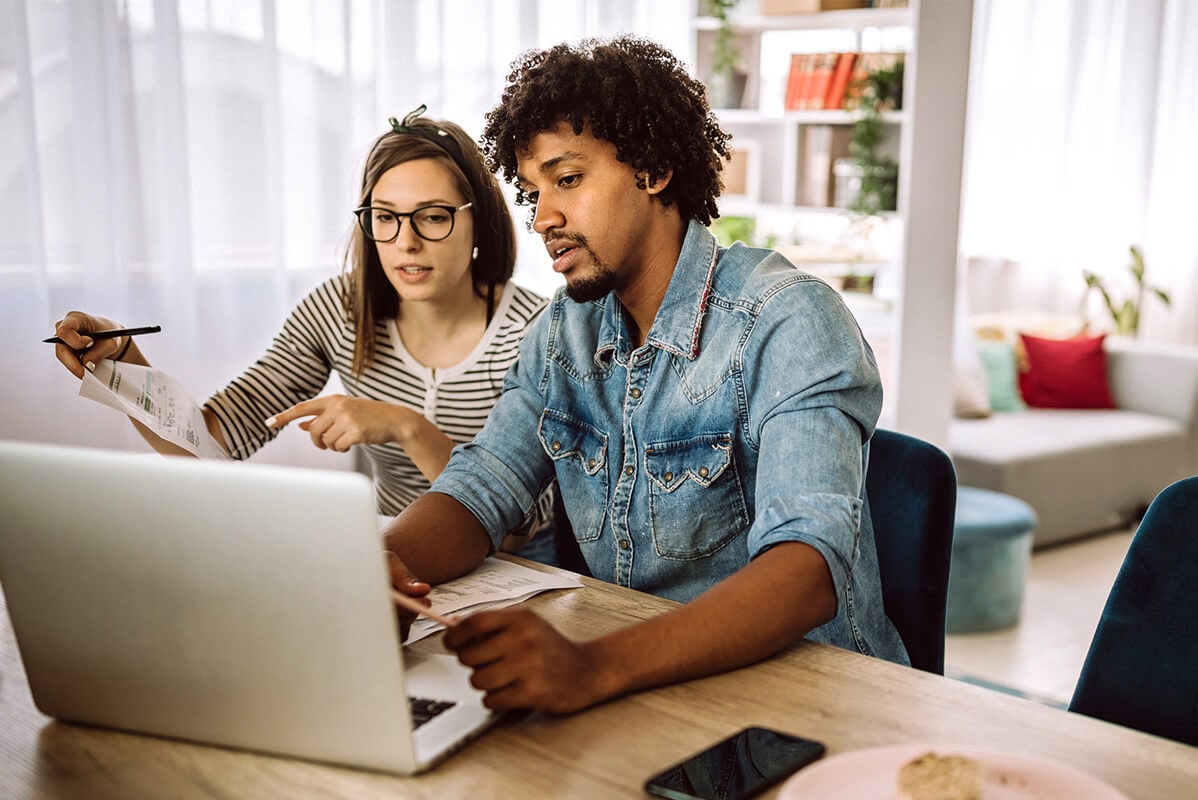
<point>431,223</point>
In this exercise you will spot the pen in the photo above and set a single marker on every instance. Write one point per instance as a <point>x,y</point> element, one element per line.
<point>412,605</point>
<point>110,334</point>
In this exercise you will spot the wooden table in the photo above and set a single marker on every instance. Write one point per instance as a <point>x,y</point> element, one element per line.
<point>843,699</point>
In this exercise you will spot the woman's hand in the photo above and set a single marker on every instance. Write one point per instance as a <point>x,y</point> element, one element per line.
<point>78,349</point>
<point>339,422</point>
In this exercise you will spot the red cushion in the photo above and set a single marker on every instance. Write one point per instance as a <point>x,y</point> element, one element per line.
<point>1065,373</point>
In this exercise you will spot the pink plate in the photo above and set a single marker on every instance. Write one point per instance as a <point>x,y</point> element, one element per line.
<point>872,774</point>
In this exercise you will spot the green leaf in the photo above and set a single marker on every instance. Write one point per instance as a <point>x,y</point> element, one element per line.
<point>1137,264</point>
<point>1127,319</point>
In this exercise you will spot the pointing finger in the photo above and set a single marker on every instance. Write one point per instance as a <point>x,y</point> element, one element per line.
<point>307,408</point>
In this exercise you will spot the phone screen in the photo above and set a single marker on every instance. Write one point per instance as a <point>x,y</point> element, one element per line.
<point>738,767</point>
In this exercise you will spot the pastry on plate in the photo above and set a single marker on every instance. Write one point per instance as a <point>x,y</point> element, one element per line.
<point>936,777</point>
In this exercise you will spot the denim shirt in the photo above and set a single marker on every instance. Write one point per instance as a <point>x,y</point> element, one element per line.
<point>742,422</point>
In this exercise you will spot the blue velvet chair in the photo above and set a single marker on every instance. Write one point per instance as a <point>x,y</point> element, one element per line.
<point>911,489</point>
<point>911,494</point>
<point>1142,667</point>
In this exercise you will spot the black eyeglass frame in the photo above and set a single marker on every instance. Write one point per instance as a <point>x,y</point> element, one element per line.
<point>364,224</point>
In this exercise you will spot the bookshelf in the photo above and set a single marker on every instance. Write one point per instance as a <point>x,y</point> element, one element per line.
<point>926,139</point>
<point>766,43</point>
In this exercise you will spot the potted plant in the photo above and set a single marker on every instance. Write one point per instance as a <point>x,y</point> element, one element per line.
<point>872,179</point>
<point>726,87</point>
<point>740,229</point>
<point>861,268</point>
<point>866,181</point>
<point>1125,317</point>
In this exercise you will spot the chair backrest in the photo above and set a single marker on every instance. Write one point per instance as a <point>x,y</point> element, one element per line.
<point>1142,668</point>
<point>911,488</point>
<point>567,554</point>
<point>911,491</point>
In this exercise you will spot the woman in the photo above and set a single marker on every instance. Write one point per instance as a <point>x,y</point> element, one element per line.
<point>420,328</point>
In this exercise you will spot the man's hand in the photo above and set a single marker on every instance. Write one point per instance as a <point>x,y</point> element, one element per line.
<point>521,661</point>
<point>402,580</point>
<point>339,422</point>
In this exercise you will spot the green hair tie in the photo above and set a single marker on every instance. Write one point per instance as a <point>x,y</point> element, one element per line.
<point>432,133</point>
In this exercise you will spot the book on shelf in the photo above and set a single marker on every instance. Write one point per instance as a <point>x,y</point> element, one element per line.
<point>823,80</point>
<point>823,67</point>
<point>888,61</point>
<point>857,76</point>
<point>794,81</point>
<point>822,146</point>
<point>834,96</point>
<point>863,66</point>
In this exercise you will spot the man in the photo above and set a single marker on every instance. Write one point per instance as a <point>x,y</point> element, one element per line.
<point>706,412</point>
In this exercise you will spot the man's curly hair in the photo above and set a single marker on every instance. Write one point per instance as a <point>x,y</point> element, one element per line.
<point>633,93</point>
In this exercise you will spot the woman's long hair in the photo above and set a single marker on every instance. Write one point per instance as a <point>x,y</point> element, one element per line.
<point>371,298</point>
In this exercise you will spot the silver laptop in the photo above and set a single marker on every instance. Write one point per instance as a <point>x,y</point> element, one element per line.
<point>232,604</point>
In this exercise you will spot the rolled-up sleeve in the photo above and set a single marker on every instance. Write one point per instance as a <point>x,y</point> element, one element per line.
<point>814,396</point>
<point>502,472</point>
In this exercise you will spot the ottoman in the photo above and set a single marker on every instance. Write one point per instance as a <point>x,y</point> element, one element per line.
<point>992,542</point>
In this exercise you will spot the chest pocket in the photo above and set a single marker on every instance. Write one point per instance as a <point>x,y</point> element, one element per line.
<point>696,501</point>
<point>579,453</point>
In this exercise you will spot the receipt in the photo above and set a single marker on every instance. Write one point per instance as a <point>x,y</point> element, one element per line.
<point>154,399</point>
<point>495,583</point>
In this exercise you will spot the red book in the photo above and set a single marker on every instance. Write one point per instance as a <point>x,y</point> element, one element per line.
<point>806,62</point>
<point>865,63</point>
<point>794,81</point>
<point>821,78</point>
<point>840,80</point>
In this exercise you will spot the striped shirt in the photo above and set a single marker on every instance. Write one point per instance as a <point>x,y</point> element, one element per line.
<point>318,339</point>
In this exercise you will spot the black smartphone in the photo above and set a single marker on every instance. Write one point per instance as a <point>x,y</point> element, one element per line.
<point>738,767</point>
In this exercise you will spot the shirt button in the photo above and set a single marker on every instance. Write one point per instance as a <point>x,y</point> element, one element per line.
<point>669,476</point>
<point>703,472</point>
<point>624,544</point>
<point>555,446</point>
<point>629,470</point>
<point>636,394</point>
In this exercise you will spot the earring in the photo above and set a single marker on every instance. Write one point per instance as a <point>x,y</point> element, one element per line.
<point>474,255</point>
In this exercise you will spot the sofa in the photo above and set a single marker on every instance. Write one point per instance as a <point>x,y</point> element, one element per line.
<point>1089,470</point>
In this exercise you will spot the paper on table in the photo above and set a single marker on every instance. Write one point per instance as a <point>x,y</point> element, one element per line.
<point>154,399</point>
<point>493,584</point>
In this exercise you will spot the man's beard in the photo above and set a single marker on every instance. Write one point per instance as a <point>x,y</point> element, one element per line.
<point>591,287</point>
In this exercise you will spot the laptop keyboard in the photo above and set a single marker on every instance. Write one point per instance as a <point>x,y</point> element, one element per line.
<point>423,709</point>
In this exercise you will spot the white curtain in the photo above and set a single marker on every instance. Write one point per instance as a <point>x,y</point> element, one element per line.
<point>1082,132</point>
<point>193,163</point>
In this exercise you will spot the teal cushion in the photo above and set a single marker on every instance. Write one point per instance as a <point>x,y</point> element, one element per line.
<point>998,359</point>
